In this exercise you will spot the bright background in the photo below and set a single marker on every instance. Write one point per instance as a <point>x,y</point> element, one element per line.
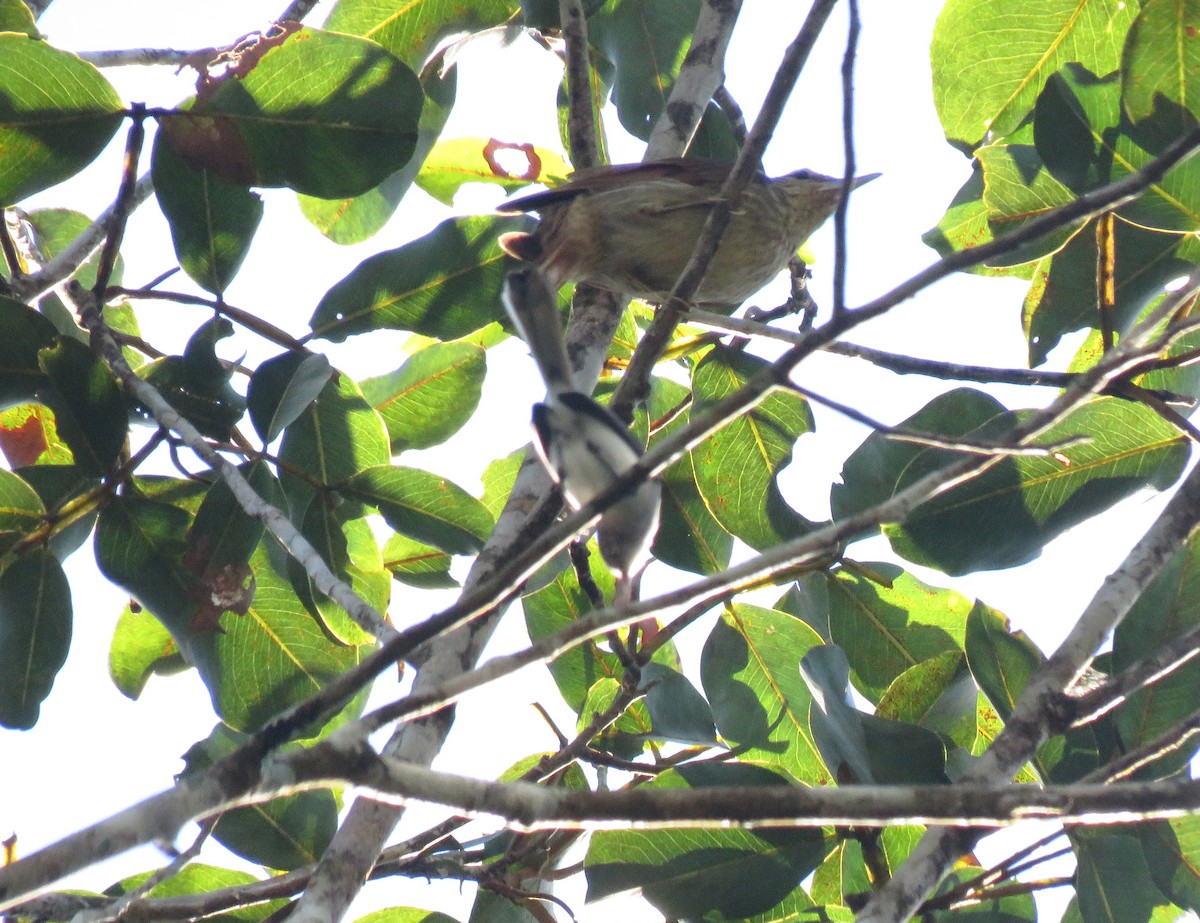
<point>95,752</point>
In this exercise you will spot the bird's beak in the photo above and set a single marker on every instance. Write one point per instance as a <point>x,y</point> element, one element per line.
<point>863,180</point>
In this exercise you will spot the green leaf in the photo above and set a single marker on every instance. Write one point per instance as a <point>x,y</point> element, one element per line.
<point>1161,60</point>
<point>737,467</point>
<point>884,630</point>
<point>285,833</point>
<point>423,506</point>
<point>443,285</point>
<point>23,334</point>
<point>1019,189</point>
<point>1085,141</point>
<point>1001,660</point>
<point>337,435</point>
<point>646,40</point>
<point>454,162</point>
<point>212,221</point>
<point>197,384</point>
<point>35,634</point>
<point>556,606</point>
<point>255,665</point>
<point>198,878</point>
<point>1063,295</point>
<point>89,411</point>
<point>411,31</point>
<point>406,915</point>
<point>677,711</point>
<point>1112,881</point>
<point>1172,852</point>
<point>990,61</point>
<point>498,479</point>
<point>749,670</point>
<point>862,748</point>
<point>356,218</point>
<point>417,564</point>
<point>1003,517</point>
<point>326,114</point>
<point>688,538</point>
<point>348,547</point>
<point>1167,608</point>
<point>56,114</point>
<point>966,225</point>
<point>729,873</point>
<point>939,694</point>
<point>429,398</point>
<point>21,509</point>
<point>57,229</point>
<point>141,647</point>
<point>15,16</point>
<point>59,487</point>
<point>281,388</point>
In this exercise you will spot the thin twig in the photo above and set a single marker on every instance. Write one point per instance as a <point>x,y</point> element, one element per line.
<point>581,122</point>
<point>839,216</point>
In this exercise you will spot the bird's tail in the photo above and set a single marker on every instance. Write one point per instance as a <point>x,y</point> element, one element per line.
<point>533,308</point>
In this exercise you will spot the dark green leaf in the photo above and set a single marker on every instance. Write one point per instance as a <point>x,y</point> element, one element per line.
<point>197,383</point>
<point>423,506</point>
<point>837,726</point>
<point>1166,609</point>
<point>730,873</point>
<point>990,61</point>
<point>677,711</point>
<point>407,915</point>
<point>355,219</point>
<point>326,114</point>
<point>282,834</point>
<point>35,634</point>
<point>212,221</point>
<point>1063,295</point>
<point>443,285</point>
<point>23,334</point>
<point>56,114</point>
<point>939,694</point>
<point>965,225</point>
<point>1004,516</point>
<point>89,411</point>
<point>736,468</point>
<point>429,398</point>
<point>1113,883</point>
<point>751,677</point>
<point>1082,136</point>
<point>646,40</point>
<point>1172,852</point>
<point>281,388</point>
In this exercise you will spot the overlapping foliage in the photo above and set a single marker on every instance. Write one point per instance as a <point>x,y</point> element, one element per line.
<point>1049,99</point>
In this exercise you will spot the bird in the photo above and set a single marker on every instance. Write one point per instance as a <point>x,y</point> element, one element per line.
<point>631,228</point>
<point>582,444</point>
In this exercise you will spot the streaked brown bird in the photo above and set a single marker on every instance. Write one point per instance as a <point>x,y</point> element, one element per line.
<point>632,228</point>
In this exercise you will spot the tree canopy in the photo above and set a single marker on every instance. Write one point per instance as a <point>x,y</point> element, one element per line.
<point>843,732</point>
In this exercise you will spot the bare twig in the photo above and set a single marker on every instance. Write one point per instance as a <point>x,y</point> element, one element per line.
<point>839,216</point>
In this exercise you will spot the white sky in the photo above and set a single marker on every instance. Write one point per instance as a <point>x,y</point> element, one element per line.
<point>95,752</point>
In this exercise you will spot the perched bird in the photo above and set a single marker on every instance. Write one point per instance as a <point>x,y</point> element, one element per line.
<point>632,228</point>
<point>583,445</point>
